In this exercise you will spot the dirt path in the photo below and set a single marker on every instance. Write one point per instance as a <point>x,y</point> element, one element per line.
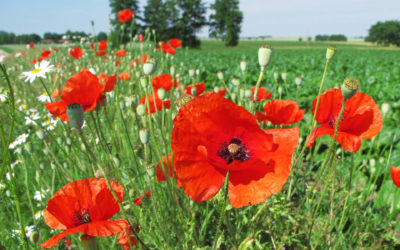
<point>3,54</point>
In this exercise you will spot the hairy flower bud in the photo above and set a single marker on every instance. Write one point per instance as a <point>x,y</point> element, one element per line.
<point>264,55</point>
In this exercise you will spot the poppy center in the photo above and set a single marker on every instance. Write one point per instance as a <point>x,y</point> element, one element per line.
<point>333,119</point>
<point>234,150</point>
<point>82,217</point>
<point>35,71</point>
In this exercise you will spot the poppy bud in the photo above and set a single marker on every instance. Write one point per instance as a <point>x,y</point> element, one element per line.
<point>141,109</point>
<point>144,82</point>
<point>284,76</point>
<point>197,72</point>
<point>248,93</point>
<point>220,75</point>
<point>144,136</point>
<point>276,75</point>
<point>75,115</point>
<point>193,91</point>
<point>280,90</point>
<point>264,55</point>
<point>150,169</point>
<point>243,65</point>
<point>172,70</point>
<point>161,93</point>
<point>298,81</point>
<point>385,108</point>
<point>349,87</point>
<point>330,52</point>
<point>235,81</point>
<point>149,67</point>
<point>191,72</point>
<point>41,134</point>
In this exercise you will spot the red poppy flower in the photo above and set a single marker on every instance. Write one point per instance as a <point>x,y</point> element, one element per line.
<point>141,38</point>
<point>84,206</point>
<point>34,61</point>
<point>102,45</point>
<point>120,53</point>
<point>281,112</point>
<point>200,87</point>
<point>212,135</point>
<point>117,62</point>
<point>220,92</point>
<point>175,43</point>
<point>102,77</point>
<point>45,54</point>
<point>143,58</point>
<point>31,45</point>
<point>164,81</point>
<point>82,88</point>
<point>124,76</point>
<point>55,49</point>
<point>262,94</point>
<point>126,240</point>
<point>168,166</point>
<point>395,172</point>
<point>156,104</point>
<point>125,15</point>
<point>166,48</point>
<point>56,93</point>
<point>76,52</point>
<point>92,45</point>
<point>138,200</point>
<point>109,84</point>
<point>361,119</point>
<point>101,53</point>
<point>134,63</point>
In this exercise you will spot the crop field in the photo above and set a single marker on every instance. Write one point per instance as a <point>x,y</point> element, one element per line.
<point>164,147</point>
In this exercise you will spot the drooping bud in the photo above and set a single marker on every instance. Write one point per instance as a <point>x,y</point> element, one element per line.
<point>284,76</point>
<point>149,67</point>
<point>161,93</point>
<point>330,52</point>
<point>191,72</point>
<point>298,81</point>
<point>220,75</point>
<point>349,87</point>
<point>385,108</point>
<point>75,115</point>
<point>144,82</point>
<point>235,82</point>
<point>243,65</point>
<point>144,136</point>
<point>264,55</point>
<point>141,110</point>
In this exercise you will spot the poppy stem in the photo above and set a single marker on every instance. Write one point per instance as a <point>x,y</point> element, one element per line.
<point>344,211</point>
<point>223,209</point>
<point>253,109</point>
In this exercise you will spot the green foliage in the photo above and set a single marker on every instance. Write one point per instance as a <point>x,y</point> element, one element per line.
<point>52,36</point>
<point>156,16</point>
<point>11,38</point>
<point>101,36</point>
<point>385,33</point>
<point>338,37</point>
<point>226,22</point>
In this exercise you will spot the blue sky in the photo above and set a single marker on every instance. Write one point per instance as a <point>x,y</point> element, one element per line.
<point>279,18</point>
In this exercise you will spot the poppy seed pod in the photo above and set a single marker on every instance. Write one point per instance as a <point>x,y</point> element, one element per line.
<point>150,66</point>
<point>197,72</point>
<point>284,76</point>
<point>280,90</point>
<point>243,65</point>
<point>172,70</point>
<point>349,87</point>
<point>220,75</point>
<point>161,93</point>
<point>216,89</point>
<point>248,93</point>
<point>141,109</point>
<point>276,75</point>
<point>191,72</point>
<point>75,115</point>
<point>298,81</point>
<point>264,55</point>
<point>144,136</point>
<point>385,108</point>
<point>330,52</point>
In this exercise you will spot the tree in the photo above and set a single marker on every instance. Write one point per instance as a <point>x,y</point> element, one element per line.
<point>385,33</point>
<point>122,32</point>
<point>101,36</point>
<point>156,14</point>
<point>226,22</point>
<point>190,19</point>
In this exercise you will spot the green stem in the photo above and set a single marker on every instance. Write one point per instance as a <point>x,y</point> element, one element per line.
<point>223,209</point>
<point>256,89</point>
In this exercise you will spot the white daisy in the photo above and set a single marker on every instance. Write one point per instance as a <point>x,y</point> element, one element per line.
<point>38,215</point>
<point>3,97</point>
<point>28,230</point>
<point>18,54</point>
<point>49,124</point>
<point>40,71</point>
<point>20,139</point>
<point>44,97</point>
<point>31,119</point>
<point>15,163</point>
<point>39,195</point>
<point>8,176</point>
<point>23,107</point>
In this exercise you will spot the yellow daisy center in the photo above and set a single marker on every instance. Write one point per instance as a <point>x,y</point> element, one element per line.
<point>35,71</point>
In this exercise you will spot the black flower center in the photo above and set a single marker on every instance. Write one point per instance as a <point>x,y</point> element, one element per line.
<point>333,119</point>
<point>82,217</point>
<point>234,150</point>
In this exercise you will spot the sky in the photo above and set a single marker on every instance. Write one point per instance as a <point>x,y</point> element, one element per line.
<point>277,18</point>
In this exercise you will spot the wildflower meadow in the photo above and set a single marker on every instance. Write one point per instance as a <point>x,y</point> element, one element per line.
<point>151,145</point>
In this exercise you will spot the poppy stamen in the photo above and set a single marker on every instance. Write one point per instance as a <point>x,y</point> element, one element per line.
<point>234,151</point>
<point>82,217</point>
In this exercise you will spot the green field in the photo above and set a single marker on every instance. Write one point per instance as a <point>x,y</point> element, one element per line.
<point>352,203</point>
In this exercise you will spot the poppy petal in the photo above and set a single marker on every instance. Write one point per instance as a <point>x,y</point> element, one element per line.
<point>58,109</point>
<point>329,105</point>
<point>395,173</point>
